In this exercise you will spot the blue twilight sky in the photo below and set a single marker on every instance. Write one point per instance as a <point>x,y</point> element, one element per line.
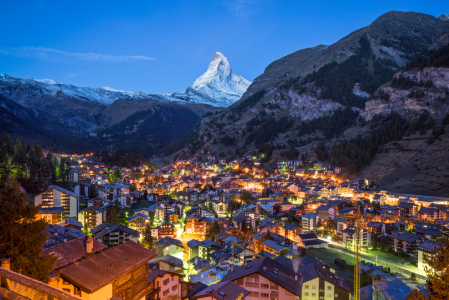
<point>160,46</point>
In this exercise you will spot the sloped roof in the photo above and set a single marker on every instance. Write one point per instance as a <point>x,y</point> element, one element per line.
<point>63,190</point>
<point>169,259</point>
<point>312,271</point>
<point>71,251</point>
<point>119,227</point>
<point>225,290</point>
<point>271,270</point>
<point>167,241</point>
<point>100,269</point>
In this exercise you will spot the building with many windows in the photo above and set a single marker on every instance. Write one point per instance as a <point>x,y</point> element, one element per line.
<point>56,196</point>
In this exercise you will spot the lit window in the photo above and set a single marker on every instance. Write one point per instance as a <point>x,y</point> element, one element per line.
<point>306,286</point>
<point>329,295</point>
<point>313,287</point>
<point>264,295</point>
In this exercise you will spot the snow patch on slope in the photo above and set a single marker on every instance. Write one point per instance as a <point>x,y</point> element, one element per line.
<point>219,87</point>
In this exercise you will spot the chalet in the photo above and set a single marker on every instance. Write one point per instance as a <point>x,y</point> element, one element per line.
<point>91,217</point>
<point>244,223</point>
<point>224,290</point>
<point>98,202</point>
<point>139,221</point>
<point>164,229</point>
<point>50,215</point>
<point>341,224</point>
<point>83,189</point>
<point>429,231</point>
<point>408,208</point>
<point>167,263</point>
<point>71,224</point>
<point>117,271</point>
<point>195,224</point>
<point>171,246</point>
<point>265,278</point>
<point>378,228</point>
<point>172,217</point>
<point>74,250</point>
<point>116,234</point>
<point>431,213</point>
<point>405,241</point>
<point>258,238</point>
<point>126,200</point>
<point>275,248</point>
<point>76,174</point>
<point>202,248</point>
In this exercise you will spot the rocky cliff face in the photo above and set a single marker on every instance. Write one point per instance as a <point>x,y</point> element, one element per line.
<point>394,35</point>
<point>315,82</point>
<point>434,99</point>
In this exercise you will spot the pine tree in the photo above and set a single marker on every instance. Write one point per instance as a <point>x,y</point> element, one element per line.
<point>21,235</point>
<point>112,216</point>
<point>19,160</point>
<point>147,239</point>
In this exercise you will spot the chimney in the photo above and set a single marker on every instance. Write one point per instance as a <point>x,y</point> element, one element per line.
<point>245,262</point>
<point>6,263</point>
<point>232,268</point>
<point>89,244</point>
<point>52,280</point>
<point>296,277</point>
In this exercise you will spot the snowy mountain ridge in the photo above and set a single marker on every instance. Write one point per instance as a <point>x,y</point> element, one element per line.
<point>219,87</point>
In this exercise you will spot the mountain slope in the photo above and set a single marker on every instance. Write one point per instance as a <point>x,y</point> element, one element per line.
<point>29,126</point>
<point>393,35</point>
<point>316,83</point>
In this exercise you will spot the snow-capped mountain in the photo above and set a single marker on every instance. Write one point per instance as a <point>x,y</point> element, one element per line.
<point>48,87</point>
<point>219,86</point>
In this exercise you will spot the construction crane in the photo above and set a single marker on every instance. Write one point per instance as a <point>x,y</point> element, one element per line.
<point>358,224</point>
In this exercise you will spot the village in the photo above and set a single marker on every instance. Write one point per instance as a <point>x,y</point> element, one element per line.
<point>200,228</point>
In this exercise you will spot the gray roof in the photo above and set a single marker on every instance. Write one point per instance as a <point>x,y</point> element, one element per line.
<point>51,210</point>
<point>219,255</point>
<point>308,236</point>
<point>271,270</point>
<point>429,246</point>
<point>275,246</point>
<point>118,227</point>
<point>225,290</point>
<point>93,208</point>
<point>301,261</point>
<point>404,236</point>
<point>312,271</point>
<point>169,259</point>
<point>63,190</point>
<point>167,241</point>
<point>100,227</point>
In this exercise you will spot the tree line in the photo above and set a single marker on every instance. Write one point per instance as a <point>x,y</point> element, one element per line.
<point>29,166</point>
<point>358,152</point>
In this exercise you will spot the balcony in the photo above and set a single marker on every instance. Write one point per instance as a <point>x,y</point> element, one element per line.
<point>153,294</point>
